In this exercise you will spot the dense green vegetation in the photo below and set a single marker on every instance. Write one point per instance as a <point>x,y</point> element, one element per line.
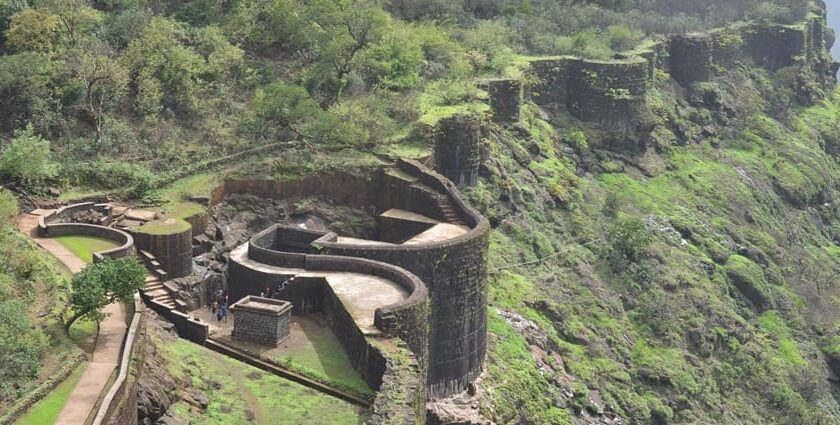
<point>129,92</point>
<point>686,271</point>
<point>32,291</point>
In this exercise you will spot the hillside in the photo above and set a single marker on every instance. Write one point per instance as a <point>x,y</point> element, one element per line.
<point>674,264</point>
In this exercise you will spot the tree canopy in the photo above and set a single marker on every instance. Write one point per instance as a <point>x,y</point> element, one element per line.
<point>102,283</point>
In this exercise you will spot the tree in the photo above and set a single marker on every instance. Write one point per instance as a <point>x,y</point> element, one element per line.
<point>27,159</point>
<point>347,28</point>
<point>27,91</point>
<point>102,283</point>
<point>76,17</point>
<point>103,78</point>
<point>33,30</point>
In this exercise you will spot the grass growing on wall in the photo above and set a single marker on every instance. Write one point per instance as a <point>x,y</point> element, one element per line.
<point>46,411</point>
<point>84,246</point>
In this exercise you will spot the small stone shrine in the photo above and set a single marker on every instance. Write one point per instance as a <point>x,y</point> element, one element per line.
<point>261,320</point>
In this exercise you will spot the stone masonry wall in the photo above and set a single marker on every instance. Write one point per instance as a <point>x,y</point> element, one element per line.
<point>455,272</point>
<point>550,75</point>
<point>174,251</point>
<point>505,99</point>
<point>691,58</point>
<point>264,328</point>
<point>458,148</point>
<point>609,93</point>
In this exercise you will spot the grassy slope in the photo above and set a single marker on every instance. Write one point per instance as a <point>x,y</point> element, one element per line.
<point>683,345</point>
<point>323,358</point>
<point>46,411</point>
<point>44,289</point>
<point>240,394</point>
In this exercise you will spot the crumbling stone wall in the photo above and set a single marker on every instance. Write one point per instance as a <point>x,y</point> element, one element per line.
<point>174,251</point>
<point>345,189</point>
<point>458,148</point>
<point>550,75</point>
<point>775,46</point>
<point>505,99</point>
<point>727,47</point>
<point>691,58</point>
<point>609,93</point>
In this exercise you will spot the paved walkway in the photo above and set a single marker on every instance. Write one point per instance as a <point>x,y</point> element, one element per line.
<point>112,330</point>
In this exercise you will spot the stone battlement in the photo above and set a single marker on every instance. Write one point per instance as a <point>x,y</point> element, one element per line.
<point>612,92</point>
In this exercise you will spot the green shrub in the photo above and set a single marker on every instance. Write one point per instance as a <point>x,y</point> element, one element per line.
<point>8,205</point>
<point>622,37</point>
<point>21,347</point>
<point>27,158</point>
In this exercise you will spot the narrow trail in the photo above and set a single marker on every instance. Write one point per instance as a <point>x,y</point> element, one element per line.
<point>106,353</point>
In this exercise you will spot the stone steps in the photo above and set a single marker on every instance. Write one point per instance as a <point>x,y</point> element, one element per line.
<point>449,212</point>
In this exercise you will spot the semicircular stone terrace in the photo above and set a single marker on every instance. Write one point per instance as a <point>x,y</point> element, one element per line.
<point>423,226</point>
<point>62,222</point>
<point>362,294</point>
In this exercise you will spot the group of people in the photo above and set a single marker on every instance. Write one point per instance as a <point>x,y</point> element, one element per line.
<point>219,306</point>
<point>270,292</point>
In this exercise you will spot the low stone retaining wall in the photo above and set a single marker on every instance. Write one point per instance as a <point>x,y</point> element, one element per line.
<point>22,406</point>
<point>66,213</point>
<point>188,328</point>
<point>119,406</point>
<point>125,240</point>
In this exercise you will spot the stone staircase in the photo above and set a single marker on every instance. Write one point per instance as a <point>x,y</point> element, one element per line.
<point>154,289</point>
<point>450,215</point>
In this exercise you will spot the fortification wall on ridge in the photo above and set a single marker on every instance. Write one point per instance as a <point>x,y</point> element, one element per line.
<point>611,92</point>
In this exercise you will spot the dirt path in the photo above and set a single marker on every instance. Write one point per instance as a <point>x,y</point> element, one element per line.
<point>112,330</point>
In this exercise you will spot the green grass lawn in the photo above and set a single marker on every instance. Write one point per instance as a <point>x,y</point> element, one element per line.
<point>175,195</point>
<point>85,246</point>
<point>241,394</point>
<point>83,333</point>
<point>46,411</point>
<point>320,356</point>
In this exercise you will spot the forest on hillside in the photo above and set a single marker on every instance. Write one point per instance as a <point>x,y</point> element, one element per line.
<point>616,259</point>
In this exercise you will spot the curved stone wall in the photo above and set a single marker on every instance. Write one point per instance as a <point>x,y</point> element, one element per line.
<point>67,213</point>
<point>378,365</point>
<point>173,251</point>
<point>453,270</point>
<point>125,241</point>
